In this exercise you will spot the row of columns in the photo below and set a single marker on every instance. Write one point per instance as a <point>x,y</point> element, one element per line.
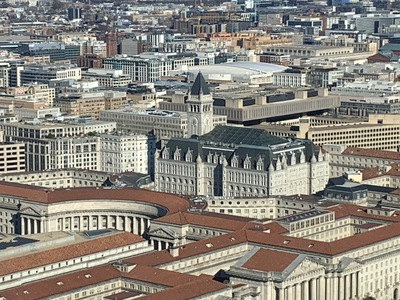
<point>305,290</point>
<point>160,244</point>
<point>136,225</point>
<point>344,287</point>
<point>30,225</point>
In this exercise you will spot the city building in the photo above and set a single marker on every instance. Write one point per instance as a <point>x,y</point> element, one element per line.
<point>378,132</point>
<point>91,103</point>
<point>249,106</point>
<point>56,50</point>
<point>49,259</point>
<point>111,40</point>
<point>139,69</point>
<point>68,178</point>
<point>197,118</point>
<point>122,152</point>
<point>363,105</point>
<point>50,146</point>
<point>74,13</point>
<point>4,74</point>
<point>240,162</point>
<point>90,60</point>
<point>369,88</point>
<point>33,91</point>
<point>107,78</point>
<point>35,209</point>
<point>45,73</point>
<point>290,78</point>
<point>253,73</point>
<point>12,158</point>
<point>344,159</point>
<point>309,51</point>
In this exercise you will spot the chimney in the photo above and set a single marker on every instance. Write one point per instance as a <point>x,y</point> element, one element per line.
<point>301,94</point>
<point>174,251</point>
<point>322,92</point>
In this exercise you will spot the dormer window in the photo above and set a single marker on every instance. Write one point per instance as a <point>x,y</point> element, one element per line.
<point>189,156</point>
<point>177,154</point>
<point>247,162</point>
<point>215,160</point>
<point>235,161</point>
<point>165,153</point>
<point>260,164</point>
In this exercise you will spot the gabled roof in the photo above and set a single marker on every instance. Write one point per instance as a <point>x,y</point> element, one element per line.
<point>268,260</point>
<point>199,86</point>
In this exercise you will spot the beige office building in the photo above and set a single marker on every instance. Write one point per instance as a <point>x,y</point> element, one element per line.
<point>91,104</point>
<point>378,132</point>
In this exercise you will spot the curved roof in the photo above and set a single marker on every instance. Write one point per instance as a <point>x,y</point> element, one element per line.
<point>170,202</point>
<point>238,68</point>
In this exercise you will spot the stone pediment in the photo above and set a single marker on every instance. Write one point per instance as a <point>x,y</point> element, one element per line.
<point>163,232</point>
<point>347,263</point>
<point>31,211</point>
<point>301,266</point>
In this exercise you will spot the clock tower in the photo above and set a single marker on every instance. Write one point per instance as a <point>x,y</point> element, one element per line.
<point>200,108</point>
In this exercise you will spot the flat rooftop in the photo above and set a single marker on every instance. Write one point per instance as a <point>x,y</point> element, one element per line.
<point>308,47</point>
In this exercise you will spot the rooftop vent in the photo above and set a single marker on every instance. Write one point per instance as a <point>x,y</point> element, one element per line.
<point>88,276</point>
<point>209,245</point>
<point>286,242</point>
<point>60,283</point>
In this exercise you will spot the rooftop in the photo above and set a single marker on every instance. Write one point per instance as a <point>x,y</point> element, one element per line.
<point>242,135</point>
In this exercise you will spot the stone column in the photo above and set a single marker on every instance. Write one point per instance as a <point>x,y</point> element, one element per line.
<point>127,224</point>
<point>139,225</point>
<point>109,221</point>
<point>35,227</point>
<point>306,295</point>
<point>322,288</point>
<point>313,291</point>
<point>118,224</point>
<point>135,225</point>
<point>269,288</point>
<point>298,291</point>
<point>142,226</point>
<point>358,284</point>
<point>290,292</point>
<point>42,223</point>
<point>22,225</point>
<point>28,220</point>
<point>281,293</point>
<point>341,287</point>
<point>334,287</point>
<point>347,286</point>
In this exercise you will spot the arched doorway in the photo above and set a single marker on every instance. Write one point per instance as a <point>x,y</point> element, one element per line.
<point>396,294</point>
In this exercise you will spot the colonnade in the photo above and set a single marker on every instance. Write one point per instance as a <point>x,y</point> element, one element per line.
<point>344,287</point>
<point>31,225</point>
<point>136,225</point>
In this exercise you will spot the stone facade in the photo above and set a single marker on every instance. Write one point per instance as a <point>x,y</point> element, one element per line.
<point>261,165</point>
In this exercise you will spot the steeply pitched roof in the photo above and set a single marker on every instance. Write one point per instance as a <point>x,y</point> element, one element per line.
<point>242,135</point>
<point>199,86</point>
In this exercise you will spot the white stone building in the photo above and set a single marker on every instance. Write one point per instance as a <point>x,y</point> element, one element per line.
<point>107,77</point>
<point>240,162</point>
<point>50,146</point>
<point>122,152</point>
<point>290,78</point>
